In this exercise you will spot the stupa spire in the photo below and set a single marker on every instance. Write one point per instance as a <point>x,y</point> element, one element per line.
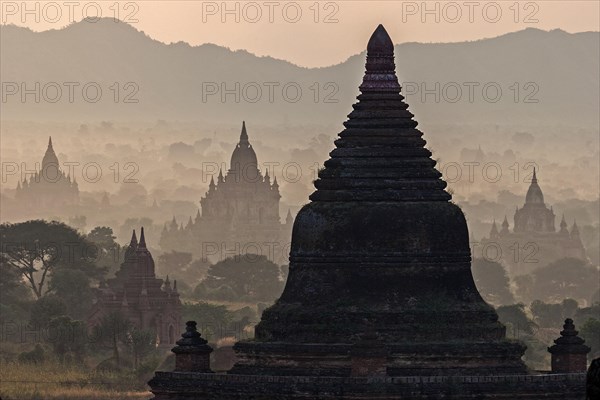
<point>380,156</point>
<point>244,134</point>
<point>142,243</point>
<point>133,242</point>
<point>380,72</point>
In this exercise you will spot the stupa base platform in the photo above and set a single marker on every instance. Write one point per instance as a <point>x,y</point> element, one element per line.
<point>374,359</point>
<point>199,386</point>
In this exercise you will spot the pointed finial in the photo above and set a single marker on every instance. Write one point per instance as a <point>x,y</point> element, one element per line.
<point>244,134</point>
<point>494,230</point>
<point>133,243</point>
<point>175,285</point>
<point>534,178</point>
<point>289,219</point>
<point>49,142</point>
<point>380,75</point>
<point>142,243</point>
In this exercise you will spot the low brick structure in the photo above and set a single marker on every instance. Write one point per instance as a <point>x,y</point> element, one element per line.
<point>194,386</point>
<point>192,353</point>
<point>569,354</point>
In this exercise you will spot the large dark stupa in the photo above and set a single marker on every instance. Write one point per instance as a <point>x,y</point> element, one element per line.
<point>380,302</point>
<point>380,257</point>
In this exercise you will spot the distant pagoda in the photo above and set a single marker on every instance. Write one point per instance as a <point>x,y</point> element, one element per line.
<point>240,212</point>
<point>380,302</point>
<point>534,241</point>
<point>148,302</point>
<point>50,188</point>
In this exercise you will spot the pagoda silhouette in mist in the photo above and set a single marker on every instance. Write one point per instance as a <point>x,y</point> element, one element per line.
<point>50,188</point>
<point>239,211</point>
<point>534,241</point>
<point>380,301</point>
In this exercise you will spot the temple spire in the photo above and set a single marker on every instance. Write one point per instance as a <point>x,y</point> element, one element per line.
<point>50,160</point>
<point>244,135</point>
<point>575,230</point>
<point>494,231</point>
<point>133,243</point>
<point>504,229</point>
<point>534,178</point>
<point>380,156</point>
<point>142,243</point>
<point>380,75</point>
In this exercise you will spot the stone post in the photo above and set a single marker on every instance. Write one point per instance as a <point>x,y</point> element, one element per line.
<point>569,354</point>
<point>192,353</point>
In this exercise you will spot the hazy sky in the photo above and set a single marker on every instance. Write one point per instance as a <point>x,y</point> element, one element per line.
<point>311,33</point>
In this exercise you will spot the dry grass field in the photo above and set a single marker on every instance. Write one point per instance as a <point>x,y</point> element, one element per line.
<point>54,381</point>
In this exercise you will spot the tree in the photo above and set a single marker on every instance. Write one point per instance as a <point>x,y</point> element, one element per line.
<point>516,320</point>
<point>491,281</point>
<point>73,287</point>
<point>590,331</point>
<point>250,277</point>
<point>15,297</point>
<point>113,330</point>
<point>524,288</point>
<point>141,343</point>
<point>46,308</point>
<point>110,253</point>
<point>565,278</point>
<point>36,248</point>
<point>552,315</point>
<point>212,319</point>
<point>68,337</point>
<point>174,261</point>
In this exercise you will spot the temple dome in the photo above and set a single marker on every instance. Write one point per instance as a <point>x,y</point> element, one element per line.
<point>50,157</point>
<point>244,157</point>
<point>534,193</point>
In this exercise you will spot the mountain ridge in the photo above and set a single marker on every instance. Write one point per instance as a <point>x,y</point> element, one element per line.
<point>172,78</point>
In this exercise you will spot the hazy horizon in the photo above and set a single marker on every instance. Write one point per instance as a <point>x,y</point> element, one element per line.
<point>322,33</point>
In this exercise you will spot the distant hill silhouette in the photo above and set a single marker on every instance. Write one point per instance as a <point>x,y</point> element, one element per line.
<point>562,66</point>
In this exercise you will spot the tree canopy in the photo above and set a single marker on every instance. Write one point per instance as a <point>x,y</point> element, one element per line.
<point>565,278</point>
<point>37,248</point>
<point>492,282</point>
<point>247,277</point>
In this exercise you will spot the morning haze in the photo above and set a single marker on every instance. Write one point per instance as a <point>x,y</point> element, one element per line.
<point>440,176</point>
